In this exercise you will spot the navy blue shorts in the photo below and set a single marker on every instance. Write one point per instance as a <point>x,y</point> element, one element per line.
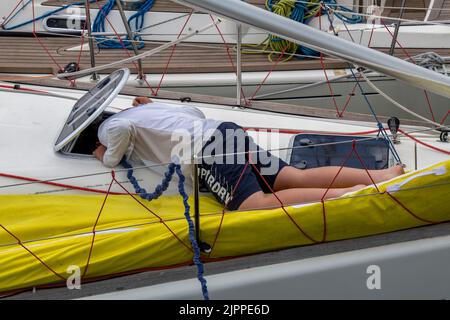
<point>223,170</point>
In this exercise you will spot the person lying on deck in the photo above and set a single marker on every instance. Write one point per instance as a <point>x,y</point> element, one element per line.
<point>146,130</point>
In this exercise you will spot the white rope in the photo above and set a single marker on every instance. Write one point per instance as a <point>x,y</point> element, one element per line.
<point>397,104</point>
<point>385,7</point>
<point>437,23</point>
<point>78,74</point>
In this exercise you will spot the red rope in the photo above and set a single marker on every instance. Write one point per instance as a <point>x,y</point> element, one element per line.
<point>340,114</point>
<point>223,211</point>
<point>172,53</point>
<point>429,105</point>
<point>281,204</point>
<point>82,41</point>
<point>22,89</point>
<point>55,184</point>
<point>445,117</point>
<point>364,166</point>
<point>413,61</point>
<point>353,150</point>
<point>324,219</point>
<point>95,225</point>
<point>397,42</point>
<point>11,13</point>
<point>409,211</point>
<point>217,233</point>
<point>350,96</point>
<point>153,213</point>
<point>371,34</point>
<point>230,58</point>
<point>60,69</point>
<point>423,143</point>
<point>123,45</point>
<point>293,131</point>
<point>268,74</point>
<point>99,278</point>
<point>34,255</point>
<point>325,71</point>
<point>329,85</point>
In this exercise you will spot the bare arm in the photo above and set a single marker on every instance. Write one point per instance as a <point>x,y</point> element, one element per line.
<point>141,100</point>
<point>99,152</point>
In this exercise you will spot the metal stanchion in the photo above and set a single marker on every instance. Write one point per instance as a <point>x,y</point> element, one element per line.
<point>94,76</point>
<point>130,36</point>
<point>239,66</point>
<point>397,28</point>
<point>204,247</point>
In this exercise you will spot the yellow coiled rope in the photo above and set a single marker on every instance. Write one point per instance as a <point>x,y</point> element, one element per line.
<point>273,45</point>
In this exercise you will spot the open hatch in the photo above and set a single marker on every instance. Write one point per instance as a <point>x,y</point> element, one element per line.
<point>87,109</point>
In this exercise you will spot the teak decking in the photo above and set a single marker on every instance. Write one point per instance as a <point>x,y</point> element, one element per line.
<point>26,55</point>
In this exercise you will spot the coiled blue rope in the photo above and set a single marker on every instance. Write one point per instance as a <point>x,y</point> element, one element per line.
<point>138,19</point>
<point>159,190</point>
<point>352,19</point>
<point>301,12</point>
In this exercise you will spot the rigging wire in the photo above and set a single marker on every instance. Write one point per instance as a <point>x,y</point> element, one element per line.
<point>226,154</point>
<point>399,105</point>
<point>137,57</point>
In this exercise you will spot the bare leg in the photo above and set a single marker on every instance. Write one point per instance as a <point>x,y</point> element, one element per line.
<point>290,177</point>
<point>292,196</point>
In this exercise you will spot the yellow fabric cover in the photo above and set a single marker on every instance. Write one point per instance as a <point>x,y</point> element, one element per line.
<point>58,229</point>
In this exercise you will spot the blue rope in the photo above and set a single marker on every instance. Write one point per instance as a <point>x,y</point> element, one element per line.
<point>172,168</point>
<point>301,8</point>
<point>379,124</point>
<point>192,239</point>
<point>372,110</point>
<point>159,190</point>
<point>353,19</point>
<point>138,18</point>
<point>45,15</point>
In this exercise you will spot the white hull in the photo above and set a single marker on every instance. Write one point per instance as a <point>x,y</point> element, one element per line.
<point>35,124</point>
<point>223,84</point>
<point>395,271</point>
<point>423,36</point>
<point>286,87</point>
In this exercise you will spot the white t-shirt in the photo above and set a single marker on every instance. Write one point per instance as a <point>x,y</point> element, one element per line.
<point>154,133</point>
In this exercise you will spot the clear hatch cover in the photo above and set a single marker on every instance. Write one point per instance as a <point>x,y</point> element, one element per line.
<point>91,105</point>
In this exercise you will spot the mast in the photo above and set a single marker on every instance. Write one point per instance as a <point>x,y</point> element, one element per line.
<point>245,13</point>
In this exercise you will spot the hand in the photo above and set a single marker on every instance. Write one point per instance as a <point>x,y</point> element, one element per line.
<point>99,152</point>
<point>141,100</point>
